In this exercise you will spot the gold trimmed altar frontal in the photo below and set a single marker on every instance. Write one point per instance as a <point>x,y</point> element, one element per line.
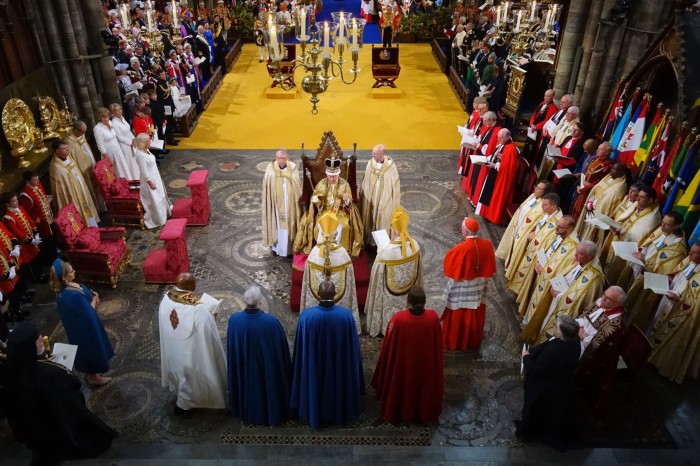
<point>242,115</point>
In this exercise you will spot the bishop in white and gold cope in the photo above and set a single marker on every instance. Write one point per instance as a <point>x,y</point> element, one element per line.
<point>281,213</point>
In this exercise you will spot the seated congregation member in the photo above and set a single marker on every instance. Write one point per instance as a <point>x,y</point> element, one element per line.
<point>45,406</point>
<point>523,218</point>
<point>601,331</point>
<point>342,273</point>
<point>396,269</point>
<point>411,356</point>
<point>598,167</point>
<point>468,266</point>
<point>192,358</point>
<point>259,365</point>
<point>499,184</point>
<point>154,197</point>
<point>549,385</point>
<point>568,187</point>
<point>675,332</point>
<point>77,307</point>
<point>638,221</point>
<point>628,201</point>
<point>326,341</point>
<point>603,198</point>
<point>584,281</point>
<point>181,101</point>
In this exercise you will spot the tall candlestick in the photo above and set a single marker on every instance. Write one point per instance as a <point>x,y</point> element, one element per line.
<point>326,39</point>
<point>547,20</point>
<point>532,11</point>
<point>149,20</point>
<point>303,23</point>
<point>174,11</point>
<point>354,33</point>
<point>517,24</point>
<point>273,42</point>
<point>125,17</point>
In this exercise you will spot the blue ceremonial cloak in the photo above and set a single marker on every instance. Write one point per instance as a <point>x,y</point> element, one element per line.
<point>328,382</point>
<point>259,368</point>
<point>84,329</point>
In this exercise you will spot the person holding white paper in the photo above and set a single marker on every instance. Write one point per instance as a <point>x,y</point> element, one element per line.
<point>473,125</point>
<point>154,197</point>
<point>675,330</point>
<point>192,358</point>
<point>603,198</point>
<point>585,280</point>
<point>281,212</point>
<point>380,193</point>
<point>396,269</point>
<point>488,138</point>
<point>550,125</point>
<point>544,111</point>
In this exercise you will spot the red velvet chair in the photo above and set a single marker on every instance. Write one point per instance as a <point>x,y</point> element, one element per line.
<point>164,265</point>
<point>195,209</point>
<point>122,196</point>
<point>96,254</point>
<point>360,267</point>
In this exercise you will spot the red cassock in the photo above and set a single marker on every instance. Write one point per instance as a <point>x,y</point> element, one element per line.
<point>477,173</point>
<point>473,258</point>
<point>409,377</point>
<point>542,114</point>
<point>35,202</point>
<point>498,194</point>
<point>22,227</point>
<point>473,123</point>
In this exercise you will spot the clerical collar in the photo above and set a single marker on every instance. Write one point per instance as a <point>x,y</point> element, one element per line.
<point>251,311</point>
<point>327,303</point>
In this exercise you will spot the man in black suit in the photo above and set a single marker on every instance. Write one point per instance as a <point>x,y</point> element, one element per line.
<point>549,385</point>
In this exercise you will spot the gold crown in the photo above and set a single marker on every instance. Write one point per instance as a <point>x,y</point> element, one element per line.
<point>333,166</point>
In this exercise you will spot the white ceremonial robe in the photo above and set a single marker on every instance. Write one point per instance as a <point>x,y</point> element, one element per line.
<point>192,358</point>
<point>181,106</point>
<point>343,277</point>
<point>280,236</point>
<point>155,202</point>
<point>380,194</point>
<point>383,303</point>
<point>126,139</point>
<point>107,143</point>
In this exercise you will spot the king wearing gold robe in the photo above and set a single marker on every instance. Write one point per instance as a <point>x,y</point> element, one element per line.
<point>331,194</point>
<point>396,269</point>
<point>280,204</point>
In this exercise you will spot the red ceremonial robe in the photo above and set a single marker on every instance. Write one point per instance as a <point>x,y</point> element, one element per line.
<point>22,227</point>
<point>473,123</point>
<point>473,258</point>
<point>409,379</point>
<point>489,141</point>
<point>498,189</point>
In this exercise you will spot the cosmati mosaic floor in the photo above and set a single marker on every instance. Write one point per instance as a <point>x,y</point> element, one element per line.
<point>483,388</point>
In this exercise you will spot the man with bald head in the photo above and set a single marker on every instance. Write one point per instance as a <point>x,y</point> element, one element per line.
<point>548,129</point>
<point>281,212</point>
<point>327,378</point>
<point>499,185</point>
<point>192,358</point>
<point>544,111</point>
<point>380,193</point>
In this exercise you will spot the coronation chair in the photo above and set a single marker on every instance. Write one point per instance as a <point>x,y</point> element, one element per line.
<point>385,66</point>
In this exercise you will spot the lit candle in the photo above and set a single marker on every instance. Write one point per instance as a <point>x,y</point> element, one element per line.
<point>125,16</point>
<point>273,42</point>
<point>498,16</point>
<point>354,33</point>
<point>174,10</point>
<point>532,11</point>
<point>547,20</point>
<point>517,24</point>
<point>149,19</point>
<point>341,32</point>
<point>326,39</point>
<point>303,23</point>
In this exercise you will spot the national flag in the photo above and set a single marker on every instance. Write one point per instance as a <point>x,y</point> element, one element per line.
<point>682,183</point>
<point>695,237</point>
<point>688,203</point>
<point>621,125</point>
<point>614,113</point>
<point>650,137</point>
<point>665,168</point>
<point>632,138</point>
<point>657,157</point>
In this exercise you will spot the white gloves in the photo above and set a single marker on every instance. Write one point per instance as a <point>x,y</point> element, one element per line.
<point>2,296</point>
<point>15,251</point>
<point>12,273</point>
<point>37,240</point>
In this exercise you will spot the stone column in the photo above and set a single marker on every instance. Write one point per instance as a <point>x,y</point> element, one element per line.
<point>576,17</point>
<point>589,38</point>
<point>648,15</point>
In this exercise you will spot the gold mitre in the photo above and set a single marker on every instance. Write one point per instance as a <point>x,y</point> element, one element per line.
<point>399,222</point>
<point>333,166</point>
<point>328,223</point>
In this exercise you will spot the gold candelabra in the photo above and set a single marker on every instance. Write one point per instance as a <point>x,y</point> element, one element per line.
<point>526,26</point>
<point>318,43</point>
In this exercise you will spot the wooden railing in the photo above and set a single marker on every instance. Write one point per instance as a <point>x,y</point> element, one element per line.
<point>210,89</point>
<point>460,90</point>
<point>233,55</point>
<point>439,54</point>
<point>187,123</point>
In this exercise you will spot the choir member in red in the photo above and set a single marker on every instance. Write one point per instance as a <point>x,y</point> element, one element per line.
<point>499,185</point>
<point>544,111</point>
<point>487,145</point>
<point>474,124</point>
<point>571,151</point>
<point>468,266</point>
<point>33,200</point>
<point>409,379</point>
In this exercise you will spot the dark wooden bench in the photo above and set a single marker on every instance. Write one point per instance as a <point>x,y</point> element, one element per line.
<point>187,123</point>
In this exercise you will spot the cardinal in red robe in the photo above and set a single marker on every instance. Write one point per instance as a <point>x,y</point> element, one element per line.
<point>409,377</point>
<point>499,185</point>
<point>468,266</point>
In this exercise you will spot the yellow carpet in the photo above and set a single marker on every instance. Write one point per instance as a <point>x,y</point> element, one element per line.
<point>242,117</point>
